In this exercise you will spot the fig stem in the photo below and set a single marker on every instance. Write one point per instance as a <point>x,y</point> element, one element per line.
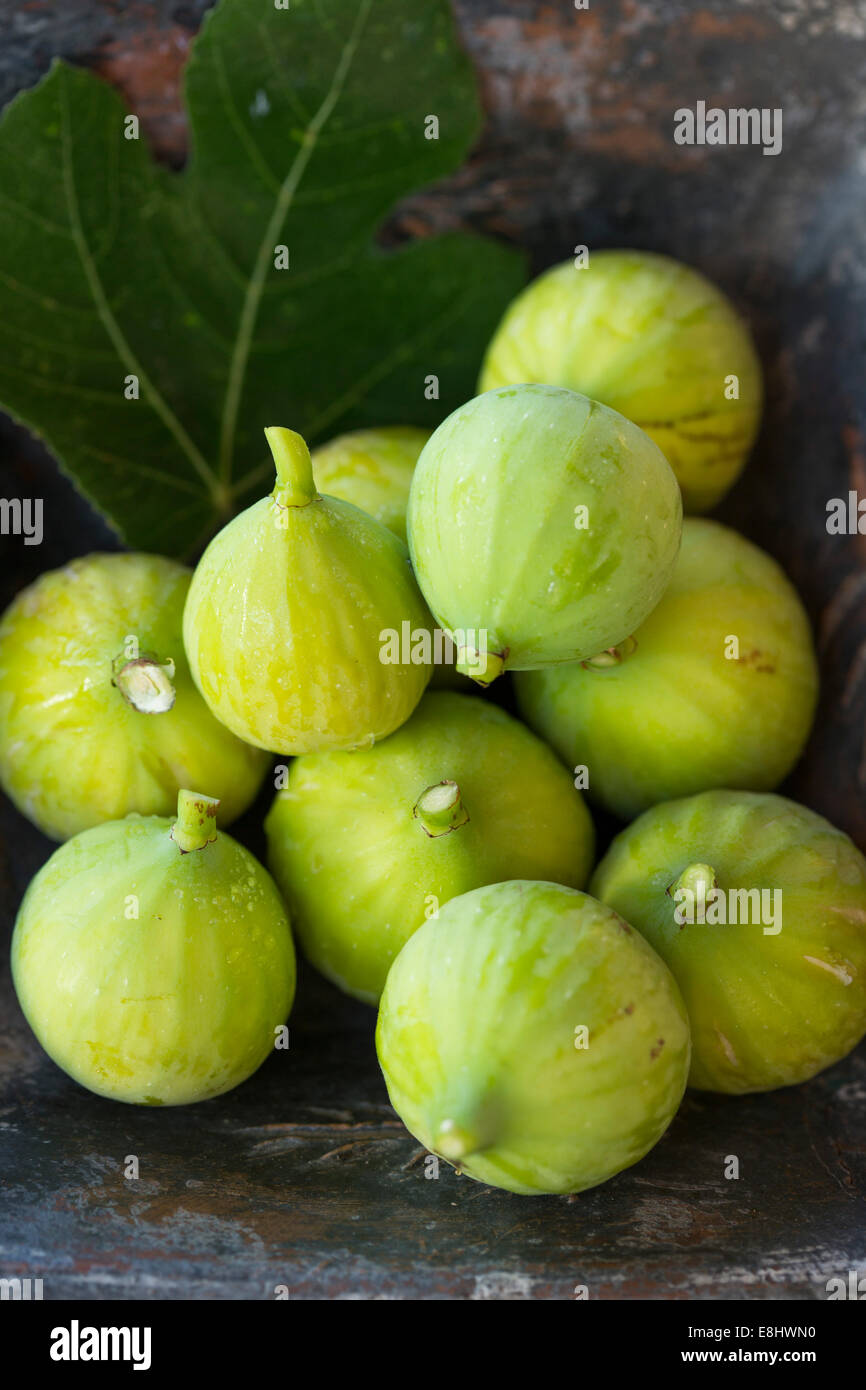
<point>295,486</point>
<point>145,682</point>
<point>440,809</point>
<point>455,1142</point>
<point>195,826</point>
<point>481,666</point>
<point>699,880</point>
<point>612,656</point>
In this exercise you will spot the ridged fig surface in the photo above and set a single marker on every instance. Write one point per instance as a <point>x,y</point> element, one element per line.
<point>767,1008</point>
<point>481,1040</point>
<point>151,975</point>
<point>285,618</point>
<point>373,469</point>
<point>718,688</point>
<point>363,857</point>
<point>74,751</point>
<point>655,340</point>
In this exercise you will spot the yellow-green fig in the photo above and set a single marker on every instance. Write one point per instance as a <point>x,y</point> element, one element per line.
<point>716,688</point>
<point>543,528</point>
<point>367,845</point>
<point>290,613</point>
<point>653,339</point>
<point>758,906</point>
<point>530,1037</point>
<point>153,958</point>
<point>99,715</point>
<point>372,468</point>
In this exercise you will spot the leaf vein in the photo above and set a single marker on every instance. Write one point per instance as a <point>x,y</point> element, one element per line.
<point>103,308</point>
<point>252,300</point>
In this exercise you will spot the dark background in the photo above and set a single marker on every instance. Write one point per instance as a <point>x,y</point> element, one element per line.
<point>304,1176</point>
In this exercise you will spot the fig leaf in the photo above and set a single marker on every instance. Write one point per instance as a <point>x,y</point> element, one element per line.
<point>152,323</point>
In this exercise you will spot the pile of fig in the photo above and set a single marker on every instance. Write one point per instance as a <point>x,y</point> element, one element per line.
<point>539,1015</point>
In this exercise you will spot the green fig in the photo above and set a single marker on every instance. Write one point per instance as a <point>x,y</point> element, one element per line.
<point>99,715</point>
<point>531,1038</point>
<point>654,340</point>
<point>153,958</point>
<point>758,906</point>
<point>717,687</point>
<point>367,845</point>
<point>543,528</point>
<point>373,469</point>
<point>287,620</point>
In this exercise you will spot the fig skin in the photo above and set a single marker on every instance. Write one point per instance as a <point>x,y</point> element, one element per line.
<point>476,1039</point>
<point>372,469</point>
<point>74,752</point>
<point>766,1010</point>
<point>651,338</point>
<point>284,620</point>
<point>672,714</point>
<point>493,530</point>
<point>360,869</point>
<point>178,1004</point>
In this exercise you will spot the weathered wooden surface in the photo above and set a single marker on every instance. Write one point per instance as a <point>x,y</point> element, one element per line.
<point>303,1176</point>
